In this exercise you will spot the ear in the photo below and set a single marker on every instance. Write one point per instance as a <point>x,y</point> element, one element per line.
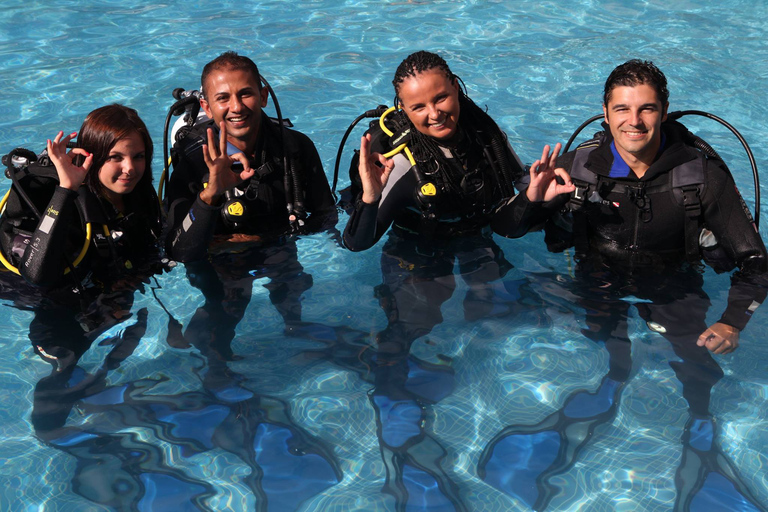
<point>206,108</point>
<point>455,83</point>
<point>664,111</point>
<point>264,95</point>
<point>605,113</point>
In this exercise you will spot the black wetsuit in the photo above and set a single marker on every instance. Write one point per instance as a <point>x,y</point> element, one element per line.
<point>129,249</point>
<point>630,239</point>
<point>636,227</point>
<point>193,223</point>
<point>417,265</point>
<point>463,210</point>
<point>226,279</point>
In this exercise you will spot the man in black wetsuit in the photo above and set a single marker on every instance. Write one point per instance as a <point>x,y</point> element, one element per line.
<point>635,215</point>
<point>645,207</point>
<point>230,224</point>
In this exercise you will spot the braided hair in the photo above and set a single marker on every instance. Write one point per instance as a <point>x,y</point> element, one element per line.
<point>476,125</point>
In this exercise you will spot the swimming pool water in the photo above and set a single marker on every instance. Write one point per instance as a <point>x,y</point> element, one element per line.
<point>298,420</point>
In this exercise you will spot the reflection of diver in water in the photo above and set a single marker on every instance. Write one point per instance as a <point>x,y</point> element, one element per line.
<point>415,286</point>
<point>226,281</point>
<point>522,459</point>
<point>114,468</point>
<point>287,465</point>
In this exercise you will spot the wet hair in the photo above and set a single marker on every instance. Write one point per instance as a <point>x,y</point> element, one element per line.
<point>230,60</point>
<point>637,72</point>
<point>477,126</point>
<point>101,130</point>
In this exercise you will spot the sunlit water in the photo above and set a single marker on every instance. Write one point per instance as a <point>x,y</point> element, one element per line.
<point>170,430</point>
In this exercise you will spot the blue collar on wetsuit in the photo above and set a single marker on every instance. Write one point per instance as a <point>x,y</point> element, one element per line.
<point>620,168</point>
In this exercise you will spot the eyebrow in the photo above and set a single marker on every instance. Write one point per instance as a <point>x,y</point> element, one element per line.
<point>239,91</point>
<point>644,105</point>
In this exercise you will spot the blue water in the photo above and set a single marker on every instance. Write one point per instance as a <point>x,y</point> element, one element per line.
<point>295,421</point>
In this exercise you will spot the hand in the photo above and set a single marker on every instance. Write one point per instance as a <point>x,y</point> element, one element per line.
<point>220,175</point>
<point>544,185</point>
<point>373,176</point>
<point>71,176</point>
<point>232,243</point>
<point>720,338</point>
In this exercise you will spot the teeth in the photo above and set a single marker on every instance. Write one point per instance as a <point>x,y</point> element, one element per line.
<point>236,119</point>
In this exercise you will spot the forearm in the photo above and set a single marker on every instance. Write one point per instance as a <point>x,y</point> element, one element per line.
<point>747,293</point>
<point>43,262</point>
<point>189,237</point>
<point>360,233</point>
<point>519,215</point>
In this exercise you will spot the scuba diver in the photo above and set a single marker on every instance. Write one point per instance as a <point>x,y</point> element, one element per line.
<point>434,170</point>
<point>107,181</point>
<point>79,235</point>
<point>650,200</point>
<point>241,185</point>
<point>81,229</point>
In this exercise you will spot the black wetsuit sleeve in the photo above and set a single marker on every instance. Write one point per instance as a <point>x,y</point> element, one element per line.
<point>368,222</point>
<point>519,215</point>
<point>43,262</point>
<point>191,222</point>
<point>725,215</point>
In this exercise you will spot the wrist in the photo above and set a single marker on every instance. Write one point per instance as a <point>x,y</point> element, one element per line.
<point>370,198</point>
<point>209,197</point>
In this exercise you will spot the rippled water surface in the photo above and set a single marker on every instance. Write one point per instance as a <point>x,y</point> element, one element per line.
<point>312,419</point>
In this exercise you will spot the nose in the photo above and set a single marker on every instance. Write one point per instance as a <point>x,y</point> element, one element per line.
<point>235,103</point>
<point>129,165</point>
<point>432,111</point>
<point>635,117</point>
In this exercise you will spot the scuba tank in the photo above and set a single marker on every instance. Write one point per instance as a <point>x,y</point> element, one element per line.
<point>34,180</point>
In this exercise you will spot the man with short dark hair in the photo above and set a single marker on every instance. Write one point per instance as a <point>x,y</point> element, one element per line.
<point>241,185</point>
<point>280,182</point>
<point>645,197</point>
<point>650,200</point>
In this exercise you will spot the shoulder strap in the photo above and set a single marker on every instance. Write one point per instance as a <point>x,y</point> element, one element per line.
<point>582,178</point>
<point>687,188</point>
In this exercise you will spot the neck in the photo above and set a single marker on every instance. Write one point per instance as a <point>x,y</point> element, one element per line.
<point>640,162</point>
<point>117,200</point>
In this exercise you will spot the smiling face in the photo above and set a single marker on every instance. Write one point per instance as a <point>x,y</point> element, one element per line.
<point>431,101</point>
<point>634,115</point>
<point>234,96</point>
<point>124,167</point>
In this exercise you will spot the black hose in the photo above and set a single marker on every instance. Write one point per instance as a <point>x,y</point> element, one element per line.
<point>377,112</point>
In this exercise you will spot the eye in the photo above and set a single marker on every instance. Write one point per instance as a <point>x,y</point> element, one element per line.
<point>115,157</point>
<point>139,156</point>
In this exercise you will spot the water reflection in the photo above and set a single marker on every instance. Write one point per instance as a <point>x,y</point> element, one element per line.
<point>126,433</point>
<point>417,279</point>
<point>522,460</point>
